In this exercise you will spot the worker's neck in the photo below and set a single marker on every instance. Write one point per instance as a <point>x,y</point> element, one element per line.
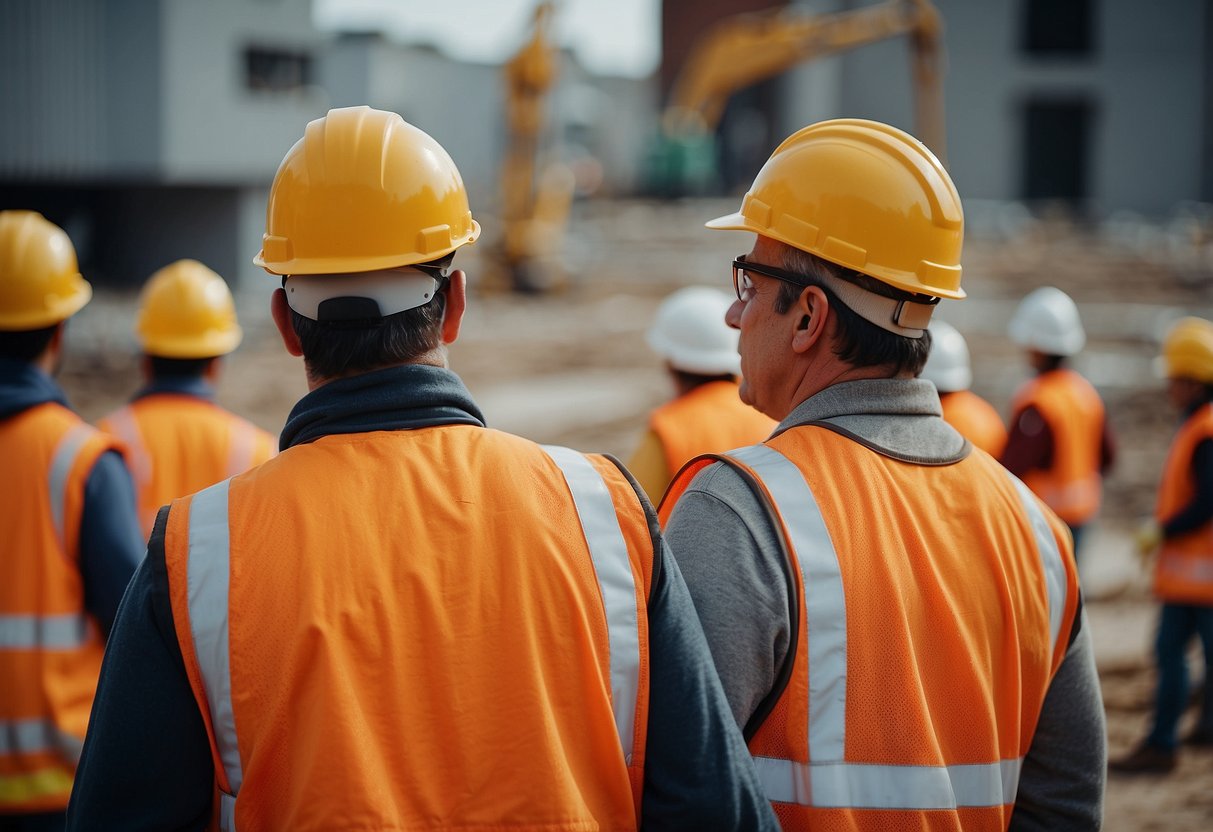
<point>434,358</point>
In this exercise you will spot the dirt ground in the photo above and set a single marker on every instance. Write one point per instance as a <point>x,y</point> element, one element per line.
<point>572,367</point>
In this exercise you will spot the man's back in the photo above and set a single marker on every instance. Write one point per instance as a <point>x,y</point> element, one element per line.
<point>50,647</point>
<point>930,622</point>
<point>434,584</point>
<point>178,444</point>
<point>1073,416</point>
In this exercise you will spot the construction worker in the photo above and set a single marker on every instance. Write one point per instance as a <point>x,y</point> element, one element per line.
<point>177,439</point>
<point>67,518</point>
<point>1059,439</point>
<point>1183,537</point>
<point>948,369</point>
<point>896,620</point>
<point>707,414</point>
<point>404,620</point>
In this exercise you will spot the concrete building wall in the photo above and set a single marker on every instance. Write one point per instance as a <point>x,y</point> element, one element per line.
<point>1145,81</point>
<point>219,124</point>
<point>80,89</point>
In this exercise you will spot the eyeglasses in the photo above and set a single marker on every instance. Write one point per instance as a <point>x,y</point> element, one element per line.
<point>744,286</point>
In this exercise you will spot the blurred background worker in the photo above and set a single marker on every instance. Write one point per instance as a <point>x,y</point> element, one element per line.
<point>896,620</point>
<point>404,620</point>
<point>178,440</point>
<point>707,414</point>
<point>67,519</point>
<point>1059,442</point>
<point>948,369</point>
<point>1183,536</point>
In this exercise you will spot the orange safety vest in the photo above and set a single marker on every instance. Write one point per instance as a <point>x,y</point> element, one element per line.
<point>975,419</point>
<point>178,444</point>
<point>1072,409</point>
<point>1184,571</point>
<point>935,606</point>
<point>709,419</point>
<point>50,647</point>
<point>433,628</point>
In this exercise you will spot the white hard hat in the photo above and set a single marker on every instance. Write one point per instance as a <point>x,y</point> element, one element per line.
<point>948,362</point>
<point>1047,320</point>
<point>691,334</point>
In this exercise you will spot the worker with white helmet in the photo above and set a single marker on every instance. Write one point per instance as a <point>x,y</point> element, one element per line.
<point>178,439</point>
<point>707,414</point>
<point>1059,439</point>
<point>1183,538</point>
<point>895,618</point>
<point>948,369</point>
<point>67,521</point>
<point>405,620</point>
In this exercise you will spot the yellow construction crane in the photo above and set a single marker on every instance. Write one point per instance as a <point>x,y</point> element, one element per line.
<point>747,48</point>
<point>536,194</point>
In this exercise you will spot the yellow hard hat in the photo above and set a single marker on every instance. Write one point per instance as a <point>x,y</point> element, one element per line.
<point>40,283</point>
<point>186,311</point>
<point>363,190</point>
<point>865,196</point>
<point>1187,351</point>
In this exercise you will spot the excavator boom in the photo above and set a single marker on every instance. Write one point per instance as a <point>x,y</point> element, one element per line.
<point>748,48</point>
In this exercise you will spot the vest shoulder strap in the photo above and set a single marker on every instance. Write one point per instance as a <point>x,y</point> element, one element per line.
<point>790,574</point>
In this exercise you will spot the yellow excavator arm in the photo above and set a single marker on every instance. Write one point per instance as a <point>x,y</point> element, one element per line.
<point>748,48</point>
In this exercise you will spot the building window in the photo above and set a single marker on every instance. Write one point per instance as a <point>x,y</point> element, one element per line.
<point>1057,150</point>
<point>1061,28</point>
<point>276,70</point>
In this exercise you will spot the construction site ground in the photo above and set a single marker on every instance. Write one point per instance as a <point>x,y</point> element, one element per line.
<point>571,367</point>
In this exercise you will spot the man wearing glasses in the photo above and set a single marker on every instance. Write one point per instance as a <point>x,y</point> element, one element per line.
<point>896,619</point>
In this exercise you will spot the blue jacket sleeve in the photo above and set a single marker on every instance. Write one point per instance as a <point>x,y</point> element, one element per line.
<point>146,763</point>
<point>698,773</point>
<point>111,543</point>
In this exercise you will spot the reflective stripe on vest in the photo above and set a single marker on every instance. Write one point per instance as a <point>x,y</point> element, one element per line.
<point>67,631</point>
<point>829,781</point>
<point>38,736</point>
<point>61,467</point>
<point>123,425</point>
<point>241,443</point>
<point>208,575</point>
<point>609,552</point>
<point>1050,558</point>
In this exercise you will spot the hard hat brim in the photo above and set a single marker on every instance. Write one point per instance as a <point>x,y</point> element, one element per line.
<point>211,346</point>
<point>739,222</point>
<point>54,313</point>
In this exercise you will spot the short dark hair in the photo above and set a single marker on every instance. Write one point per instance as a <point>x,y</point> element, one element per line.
<point>335,348</point>
<point>689,381</point>
<point>1049,363</point>
<point>860,342</point>
<point>179,367</point>
<point>332,349</point>
<point>28,344</point>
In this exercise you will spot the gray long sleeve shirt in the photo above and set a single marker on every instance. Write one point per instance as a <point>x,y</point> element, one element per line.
<point>731,558</point>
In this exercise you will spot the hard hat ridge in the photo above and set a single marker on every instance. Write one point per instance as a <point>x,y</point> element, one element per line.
<point>364,190</point>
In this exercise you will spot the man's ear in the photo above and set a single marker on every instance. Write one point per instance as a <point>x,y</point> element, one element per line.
<point>809,315</point>
<point>456,303</point>
<point>281,313</point>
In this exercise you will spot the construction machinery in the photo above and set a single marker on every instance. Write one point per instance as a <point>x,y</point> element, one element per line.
<point>536,192</point>
<point>748,48</point>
